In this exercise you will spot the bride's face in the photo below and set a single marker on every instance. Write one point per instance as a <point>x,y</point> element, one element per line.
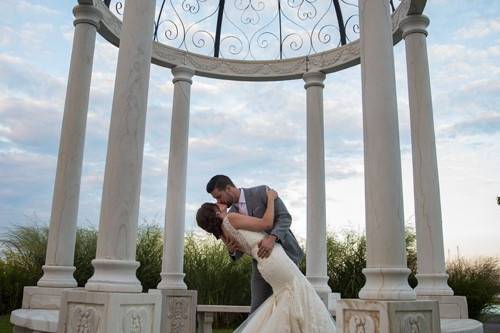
<point>222,210</point>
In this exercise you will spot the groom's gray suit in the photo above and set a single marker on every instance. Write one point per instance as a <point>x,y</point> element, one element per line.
<point>256,203</point>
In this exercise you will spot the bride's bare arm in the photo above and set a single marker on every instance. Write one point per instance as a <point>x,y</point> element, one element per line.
<point>251,223</point>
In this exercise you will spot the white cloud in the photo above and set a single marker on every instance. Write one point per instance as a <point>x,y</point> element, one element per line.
<point>479,29</point>
<point>33,9</point>
<point>482,124</point>
<point>20,78</point>
<point>7,36</point>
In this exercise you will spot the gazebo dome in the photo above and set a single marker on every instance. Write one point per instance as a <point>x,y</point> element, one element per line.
<point>254,29</point>
<point>255,40</point>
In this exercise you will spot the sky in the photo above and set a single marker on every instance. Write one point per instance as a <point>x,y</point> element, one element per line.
<point>255,132</point>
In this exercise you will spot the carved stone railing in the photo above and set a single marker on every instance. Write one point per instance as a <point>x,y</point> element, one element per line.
<point>205,315</point>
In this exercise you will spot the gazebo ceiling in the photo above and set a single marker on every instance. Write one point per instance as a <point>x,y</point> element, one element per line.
<point>254,29</point>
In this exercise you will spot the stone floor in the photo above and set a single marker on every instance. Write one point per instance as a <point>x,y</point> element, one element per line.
<point>492,324</point>
<point>491,327</point>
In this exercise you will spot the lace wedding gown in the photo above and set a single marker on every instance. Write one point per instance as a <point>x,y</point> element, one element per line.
<point>294,306</point>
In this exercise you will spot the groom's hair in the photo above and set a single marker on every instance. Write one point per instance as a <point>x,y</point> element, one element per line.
<point>219,182</point>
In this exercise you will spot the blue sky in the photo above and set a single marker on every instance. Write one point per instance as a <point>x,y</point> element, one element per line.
<point>255,132</point>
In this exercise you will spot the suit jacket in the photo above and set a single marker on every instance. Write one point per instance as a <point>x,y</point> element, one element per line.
<point>256,202</point>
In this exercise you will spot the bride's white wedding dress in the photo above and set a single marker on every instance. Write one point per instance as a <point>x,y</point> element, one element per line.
<point>294,306</point>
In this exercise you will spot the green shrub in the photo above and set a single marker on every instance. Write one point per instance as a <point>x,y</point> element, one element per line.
<point>478,280</point>
<point>217,278</point>
<point>85,250</point>
<point>411,255</point>
<point>346,259</point>
<point>149,254</point>
<point>346,256</point>
<point>23,250</point>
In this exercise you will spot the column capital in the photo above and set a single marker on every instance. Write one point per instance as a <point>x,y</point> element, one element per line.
<point>414,24</point>
<point>85,13</point>
<point>182,73</point>
<point>314,79</point>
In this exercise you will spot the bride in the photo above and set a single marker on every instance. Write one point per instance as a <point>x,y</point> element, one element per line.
<point>294,305</point>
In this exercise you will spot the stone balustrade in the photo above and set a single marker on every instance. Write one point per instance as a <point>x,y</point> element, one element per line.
<point>205,314</point>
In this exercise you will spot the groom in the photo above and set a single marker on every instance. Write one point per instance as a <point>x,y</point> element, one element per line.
<point>253,201</point>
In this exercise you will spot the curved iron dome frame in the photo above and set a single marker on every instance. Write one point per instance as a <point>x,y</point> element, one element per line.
<point>220,10</point>
<point>336,59</point>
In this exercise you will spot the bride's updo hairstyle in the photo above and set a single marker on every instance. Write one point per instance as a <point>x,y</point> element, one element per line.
<point>207,219</point>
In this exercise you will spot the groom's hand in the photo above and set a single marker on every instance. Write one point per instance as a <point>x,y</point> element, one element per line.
<point>266,246</point>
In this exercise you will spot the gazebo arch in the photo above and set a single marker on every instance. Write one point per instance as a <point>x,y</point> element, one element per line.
<point>112,300</point>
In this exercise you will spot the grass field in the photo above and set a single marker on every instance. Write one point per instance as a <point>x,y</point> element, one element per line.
<point>5,326</point>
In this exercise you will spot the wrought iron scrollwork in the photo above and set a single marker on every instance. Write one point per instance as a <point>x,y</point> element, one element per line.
<point>254,29</point>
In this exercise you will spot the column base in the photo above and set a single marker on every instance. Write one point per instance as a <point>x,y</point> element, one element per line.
<point>109,312</point>
<point>114,276</point>
<point>178,310</point>
<point>387,284</point>
<point>433,285</point>
<point>450,307</point>
<point>57,277</point>
<point>333,298</point>
<point>320,284</point>
<point>354,315</point>
<point>171,281</point>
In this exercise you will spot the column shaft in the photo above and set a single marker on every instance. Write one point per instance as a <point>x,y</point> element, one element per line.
<point>115,263</point>
<point>173,248</point>
<point>316,262</point>
<point>58,268</point>
<point>432,277</point>
<point>386,272</point>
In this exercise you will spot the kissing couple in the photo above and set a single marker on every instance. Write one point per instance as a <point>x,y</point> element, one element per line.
<point>258,224</point>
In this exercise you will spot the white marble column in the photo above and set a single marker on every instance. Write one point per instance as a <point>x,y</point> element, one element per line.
<point>172,275</point>
<point>58,268</point>
<point>115,263</point>
<point>386,272</point>
<point>316,263</point>
<point>432,277</point>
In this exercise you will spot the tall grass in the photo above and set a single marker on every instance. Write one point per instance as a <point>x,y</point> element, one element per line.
<point>478,280</point>
<point>346,258</point>
<point>23,250</point>
<point>218,279</point>
<point>85,250</point>
<point>215,276</point>
<point>149,254</point>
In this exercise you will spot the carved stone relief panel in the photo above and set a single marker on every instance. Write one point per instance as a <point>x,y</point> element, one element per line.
<point>414,322</point>
<point>84,318</point>
<point>361,321</point>
<point>137,319</point>
<point>178,314</point>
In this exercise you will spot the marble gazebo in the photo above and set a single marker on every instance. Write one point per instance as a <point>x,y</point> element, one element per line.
<point>248,41</point>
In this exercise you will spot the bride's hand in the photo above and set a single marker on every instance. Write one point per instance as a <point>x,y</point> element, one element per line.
<point>231,244</point>
<point>271,194</point>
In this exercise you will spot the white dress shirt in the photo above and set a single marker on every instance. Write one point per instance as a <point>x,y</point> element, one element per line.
<point>242,204</point>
